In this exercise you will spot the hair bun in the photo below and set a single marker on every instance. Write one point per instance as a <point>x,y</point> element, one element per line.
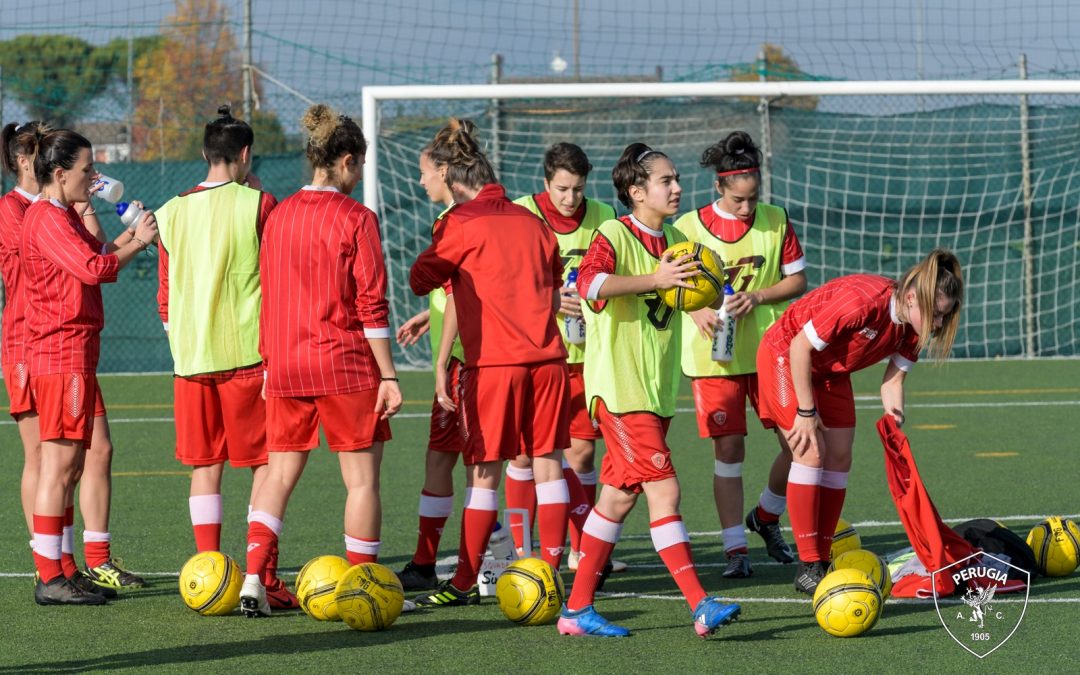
<point>224,110</point>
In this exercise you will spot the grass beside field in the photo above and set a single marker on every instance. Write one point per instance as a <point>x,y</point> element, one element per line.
<point>993,439</point>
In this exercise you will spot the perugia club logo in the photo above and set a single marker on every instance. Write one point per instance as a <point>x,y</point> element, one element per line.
<point>982,621</point>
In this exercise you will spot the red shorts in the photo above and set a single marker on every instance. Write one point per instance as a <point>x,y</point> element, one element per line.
<point>581,423</point>
<point>66,405</point>
<point>720,403</point>
<point>349,422</point>
<point>17,381</point>
<point>637,449</point>
<point>220,417</point>
<point>833,396</point>
<point>445,434</point>
<point>512,410</point>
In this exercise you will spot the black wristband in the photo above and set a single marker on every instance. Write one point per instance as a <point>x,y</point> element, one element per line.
<point>806,412</point>
<point>390,379</point>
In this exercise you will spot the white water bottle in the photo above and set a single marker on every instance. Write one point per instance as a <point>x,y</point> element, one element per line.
<point>109,189</point>
<point>501,544</point>
<point>723,343</point>
<point>129,214</point>
<point>574,325</point>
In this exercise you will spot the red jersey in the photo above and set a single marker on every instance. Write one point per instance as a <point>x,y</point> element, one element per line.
<point>851,322</point>
<point>503,263</point>
<point>13,207</point>
<point>726,227</point>
<point>63,265</point>
<point>599,262</point>
<point>324,294</point>
<point>267,202</point>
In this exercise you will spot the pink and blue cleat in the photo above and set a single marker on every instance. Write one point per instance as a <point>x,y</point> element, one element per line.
<point>710,614</point>
<point>587,621</point>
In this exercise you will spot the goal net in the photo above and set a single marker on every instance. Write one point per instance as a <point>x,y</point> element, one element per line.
<point>871,181</point>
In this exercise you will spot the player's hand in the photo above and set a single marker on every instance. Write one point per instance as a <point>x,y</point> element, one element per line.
<point>146,229</point>
<point>802,438</point>
<point>412,330</point>
<point>442,389</point>
<point>672,272</point>
<point>706,322</point>
<point>897,414</point>
<point>740,304</point>
<point>389,399</point>
<point>569,302</point>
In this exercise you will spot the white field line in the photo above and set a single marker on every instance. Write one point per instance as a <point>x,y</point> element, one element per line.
<point>959,404</point>
<point>806,601</point>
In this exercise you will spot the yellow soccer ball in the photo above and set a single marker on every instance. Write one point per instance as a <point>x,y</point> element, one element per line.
<point>707,285</point>
<point>530,592</point>
<point>870,564</point>
<point>847,603</point>
<point>316,585</point>
<point>369,597</point>
<point>1056,544</point>
<point>210,583</point>
<point>846,539</point>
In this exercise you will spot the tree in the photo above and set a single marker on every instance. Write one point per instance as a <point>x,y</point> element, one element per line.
<point>55,77</point>
<point>778,66</point>
<point>180,84</point>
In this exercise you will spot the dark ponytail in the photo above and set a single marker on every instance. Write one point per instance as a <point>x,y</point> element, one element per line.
<point>20,139</point>
<point>57,149</point>
<point>734,156</point>
<point>466,164</point>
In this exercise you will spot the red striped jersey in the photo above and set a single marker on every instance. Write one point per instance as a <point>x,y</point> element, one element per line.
<point>852,323</point>
<point>267,202</point>
<point>13,207</point>
<point>63,266</point>
<point>503,263</point>
<point>324,294</point>
<point>726,227</point>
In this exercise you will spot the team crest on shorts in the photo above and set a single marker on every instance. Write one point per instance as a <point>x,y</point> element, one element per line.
<point>719,417</point>
<point>659,460</point>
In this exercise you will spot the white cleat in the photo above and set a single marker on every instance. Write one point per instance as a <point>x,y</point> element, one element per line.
<point>253,602</point>
<point>408,606</point>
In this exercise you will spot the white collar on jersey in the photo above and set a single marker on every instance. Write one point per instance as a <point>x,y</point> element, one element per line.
<point>722,213</point>
<point>320,188</point>
<point>56,203</point>
<point>214,184</point>
<point>892,311</point>
<point>645,228</point>
<point>31,198</point>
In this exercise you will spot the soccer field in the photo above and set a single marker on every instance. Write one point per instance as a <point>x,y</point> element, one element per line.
<point>993,439</point>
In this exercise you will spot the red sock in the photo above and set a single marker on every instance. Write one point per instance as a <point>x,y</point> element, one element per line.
<point>476,526</point>
<point>48,530</point>
<point>360,551</point>
<point>552,509</point>
<point>96,553</point>
<point>673,544</point>
<point>832,503</point>
<point>580,505</point>
<point>206,516</point>
<point>207,537</point>
<point>804,500</point>
<point>434,511</point>
<point>67,551</point>
<point>598,540</point>
<point>261,544</point>
<point>764,516</point>
<point>520,494</point>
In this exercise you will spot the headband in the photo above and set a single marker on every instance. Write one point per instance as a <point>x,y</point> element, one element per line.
<point>736,172</point>
<point>644,155</point>
<point>19,127</point>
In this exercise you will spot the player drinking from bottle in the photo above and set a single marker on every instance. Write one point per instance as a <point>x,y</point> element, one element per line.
<point>632,381</point>
<point>764,263</point>
<point>804,369</point>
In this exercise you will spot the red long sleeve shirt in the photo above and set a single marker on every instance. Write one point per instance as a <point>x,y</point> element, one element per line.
<point>13,208</point>
<point>324,293</point>
<point>62,268</point>
<point>503,263</point>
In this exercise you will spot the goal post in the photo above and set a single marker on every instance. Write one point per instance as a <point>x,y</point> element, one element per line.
<point>872,173</point>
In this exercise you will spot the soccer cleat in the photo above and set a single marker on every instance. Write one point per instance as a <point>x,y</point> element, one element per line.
<point>61,591</point>
<point>109,573</point>
<point>587,621</point>
<point>280,597</point>
<point>810,574</point>
<point>85,584</point>
<point>253,602</point>
<point>775,545</point>
<point>738,566</point>
<point>448,596</point>
<point>572,559</point>
<point>710,614</point>
<point>418,577</point>
<point>408,606</point>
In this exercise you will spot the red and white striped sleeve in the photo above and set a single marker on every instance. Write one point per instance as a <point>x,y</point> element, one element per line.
<point>62,245</point>
<point>369,271</point>
<point>792,258</point>
<point>844,312</point>
<point>596,266</point>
